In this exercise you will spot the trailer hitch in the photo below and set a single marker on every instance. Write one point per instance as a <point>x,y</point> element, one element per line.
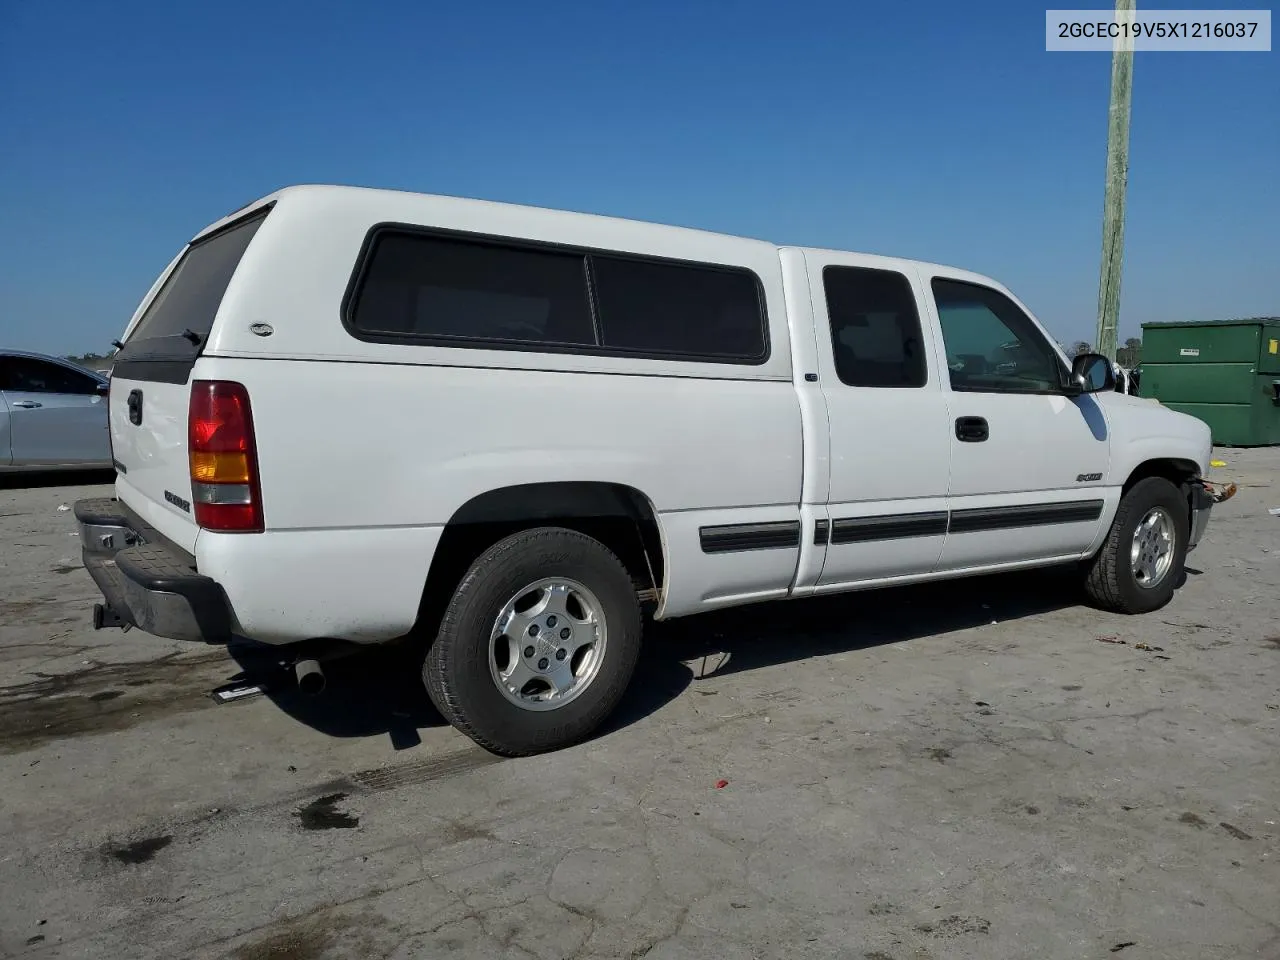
<point>106,617</point>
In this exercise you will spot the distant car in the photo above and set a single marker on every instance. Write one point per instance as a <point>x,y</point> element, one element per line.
<point>53,415</point>
<point>1127,379</point>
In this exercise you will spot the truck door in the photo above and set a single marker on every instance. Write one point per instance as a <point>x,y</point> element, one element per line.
<point>1028,463</point>
<point>889,442</point>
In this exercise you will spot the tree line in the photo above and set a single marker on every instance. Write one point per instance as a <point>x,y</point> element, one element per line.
<point>1129,355</point>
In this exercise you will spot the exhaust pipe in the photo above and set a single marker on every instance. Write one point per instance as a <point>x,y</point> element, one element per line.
<point>310,676</point>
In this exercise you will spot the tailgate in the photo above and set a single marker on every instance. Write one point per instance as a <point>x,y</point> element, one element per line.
<point>150,388</point>
<point>150,454</point>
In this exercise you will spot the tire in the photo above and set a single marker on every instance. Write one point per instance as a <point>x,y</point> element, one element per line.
<point>1110,581</point>
<point>464,664</point>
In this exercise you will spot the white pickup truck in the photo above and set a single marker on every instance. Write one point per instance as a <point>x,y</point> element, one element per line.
<point>352,416</point>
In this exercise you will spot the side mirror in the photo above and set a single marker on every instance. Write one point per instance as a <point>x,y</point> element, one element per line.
<point>104,389</point>
<point>1091,373</point>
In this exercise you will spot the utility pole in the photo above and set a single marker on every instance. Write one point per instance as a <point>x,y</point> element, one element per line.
<point>1117,181</point>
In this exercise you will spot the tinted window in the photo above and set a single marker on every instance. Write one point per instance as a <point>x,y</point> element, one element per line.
<point>991,345</point>
<point>875,328</point>
<point>432,287</point>
<point>24,375</point>
<point>189,298</point>
<point>670,308</point>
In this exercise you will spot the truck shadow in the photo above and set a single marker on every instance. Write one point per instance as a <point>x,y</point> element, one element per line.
<point>369,693</point>
<point>380,691</point>
<point>765,635</point>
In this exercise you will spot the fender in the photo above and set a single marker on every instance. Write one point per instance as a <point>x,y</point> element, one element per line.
<point>1142,431</point>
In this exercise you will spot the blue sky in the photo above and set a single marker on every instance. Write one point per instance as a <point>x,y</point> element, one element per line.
<point>936,130</point>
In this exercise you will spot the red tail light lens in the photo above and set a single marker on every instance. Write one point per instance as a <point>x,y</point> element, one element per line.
<point>223,457</point>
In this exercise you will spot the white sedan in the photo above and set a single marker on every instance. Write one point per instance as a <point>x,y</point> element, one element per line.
<point>53,415</point>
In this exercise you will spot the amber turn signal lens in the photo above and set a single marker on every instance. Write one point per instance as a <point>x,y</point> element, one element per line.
<point>219,467</point>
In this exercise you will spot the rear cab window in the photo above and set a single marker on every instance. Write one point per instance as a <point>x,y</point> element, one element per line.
<point>875,327</point>
<point>172,331</point>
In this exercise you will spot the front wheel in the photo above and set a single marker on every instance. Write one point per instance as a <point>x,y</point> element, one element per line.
<point>1141,562</point>
<point>537,644</point>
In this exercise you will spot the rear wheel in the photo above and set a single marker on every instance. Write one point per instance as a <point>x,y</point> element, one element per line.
<point>1140,564</point>
<point>537,644</point>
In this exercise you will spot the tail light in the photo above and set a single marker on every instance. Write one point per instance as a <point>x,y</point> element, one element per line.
<point>224,458</point>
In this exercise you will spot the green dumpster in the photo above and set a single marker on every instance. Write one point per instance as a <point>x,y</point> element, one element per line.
<point>1226,372</point>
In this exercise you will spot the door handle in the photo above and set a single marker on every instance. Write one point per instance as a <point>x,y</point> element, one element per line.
<point>27,404</point>
<point>972,429</point>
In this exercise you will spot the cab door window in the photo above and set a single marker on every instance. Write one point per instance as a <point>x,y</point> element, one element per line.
<point>992,346</point>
